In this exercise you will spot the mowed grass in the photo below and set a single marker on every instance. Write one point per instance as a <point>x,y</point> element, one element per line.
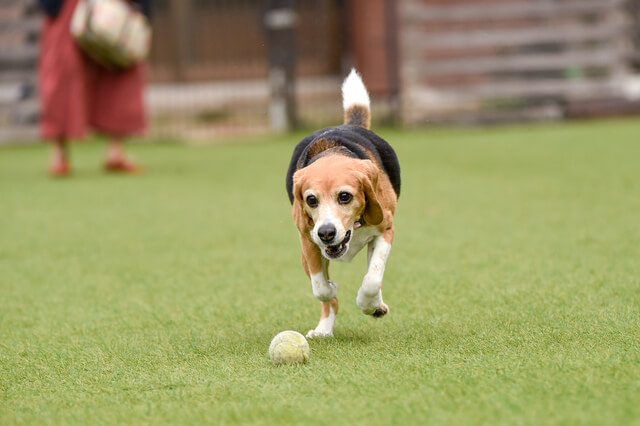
<point>513,285</point>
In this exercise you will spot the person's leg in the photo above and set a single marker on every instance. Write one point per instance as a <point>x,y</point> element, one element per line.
<point>117,160</point>
<point>59,158</point>
<point>115,150</point>
<point>118,112</point>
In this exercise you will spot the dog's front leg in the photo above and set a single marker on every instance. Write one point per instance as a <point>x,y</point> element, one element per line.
<point>369,298</point>
<point>317,268</point>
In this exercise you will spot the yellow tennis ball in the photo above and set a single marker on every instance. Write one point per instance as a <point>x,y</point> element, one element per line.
<point>289,347</point>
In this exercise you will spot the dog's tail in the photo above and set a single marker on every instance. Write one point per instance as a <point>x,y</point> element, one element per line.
<point>355,101</point>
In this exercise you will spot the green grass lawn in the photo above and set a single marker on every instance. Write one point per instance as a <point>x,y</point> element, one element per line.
<point>513,283</point>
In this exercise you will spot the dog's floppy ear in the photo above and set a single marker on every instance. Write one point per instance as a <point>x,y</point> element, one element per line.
<point>372,212</point>
<point>300,217</point>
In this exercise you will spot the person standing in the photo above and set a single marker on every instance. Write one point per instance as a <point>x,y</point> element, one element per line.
<point>78,95</point>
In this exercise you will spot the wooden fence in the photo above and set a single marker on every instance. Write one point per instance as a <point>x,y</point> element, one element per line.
<point>205,40</point>
<point>459,60</point>
<point>499,60</point>
<point>19,29</point>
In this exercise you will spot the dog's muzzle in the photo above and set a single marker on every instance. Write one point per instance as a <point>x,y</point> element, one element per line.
<point>337,250</point>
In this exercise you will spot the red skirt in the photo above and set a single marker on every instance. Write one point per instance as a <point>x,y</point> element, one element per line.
<point>76,94</point>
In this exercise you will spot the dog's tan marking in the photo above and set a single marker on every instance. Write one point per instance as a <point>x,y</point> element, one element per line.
<point>327,306</point>
<point>358,115</point>
<point>321,146</point>
<point>311,257</point>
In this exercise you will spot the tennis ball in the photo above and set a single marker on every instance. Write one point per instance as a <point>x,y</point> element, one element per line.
<point>289,347</point>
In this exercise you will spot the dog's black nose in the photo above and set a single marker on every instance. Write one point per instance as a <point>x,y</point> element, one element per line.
<point>327,233</point>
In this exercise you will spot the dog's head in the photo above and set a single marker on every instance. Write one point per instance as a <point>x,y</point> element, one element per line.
<point>334,196</point>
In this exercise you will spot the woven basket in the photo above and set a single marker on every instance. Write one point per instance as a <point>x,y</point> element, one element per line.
<point>111,32</point>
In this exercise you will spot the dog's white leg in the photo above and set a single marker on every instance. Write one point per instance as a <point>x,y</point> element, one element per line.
<point>317,269</point>
<point>327,320</point>
<point>326,291</point>
<point>369,298</point>
<point>323,288</point>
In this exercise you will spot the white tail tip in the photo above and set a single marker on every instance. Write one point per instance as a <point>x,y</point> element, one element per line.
<point>354,91</point>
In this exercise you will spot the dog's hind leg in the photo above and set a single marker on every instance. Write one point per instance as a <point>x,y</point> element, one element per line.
<point>317,269</point>
<point>369,298</point>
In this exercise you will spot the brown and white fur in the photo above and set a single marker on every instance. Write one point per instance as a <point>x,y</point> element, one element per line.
<point>343,199</point>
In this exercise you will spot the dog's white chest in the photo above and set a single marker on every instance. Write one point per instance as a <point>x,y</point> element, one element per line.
<point>361,237</point>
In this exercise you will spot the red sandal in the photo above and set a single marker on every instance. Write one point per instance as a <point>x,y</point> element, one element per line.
<point>122,165</point>
<point>59,169</point>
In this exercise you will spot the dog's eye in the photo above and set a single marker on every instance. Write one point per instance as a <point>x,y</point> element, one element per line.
<point>344,198</point>
<point>312,201</point>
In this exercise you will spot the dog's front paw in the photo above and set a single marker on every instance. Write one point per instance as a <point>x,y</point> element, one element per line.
<point>313,334</point>
<point>369,303</point>
<point>381,311</point>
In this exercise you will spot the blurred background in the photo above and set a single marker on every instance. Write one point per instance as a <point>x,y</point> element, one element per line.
<point>231,67</point>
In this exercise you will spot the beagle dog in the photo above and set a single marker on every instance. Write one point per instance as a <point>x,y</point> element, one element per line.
<point>343,183</point>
